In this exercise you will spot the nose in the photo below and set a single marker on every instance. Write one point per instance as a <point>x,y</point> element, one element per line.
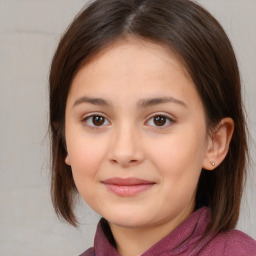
<point>127,148</point>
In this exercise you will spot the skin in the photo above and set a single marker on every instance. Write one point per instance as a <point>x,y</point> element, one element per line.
<point>127,141</point>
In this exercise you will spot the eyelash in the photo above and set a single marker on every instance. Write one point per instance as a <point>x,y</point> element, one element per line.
<point>90,117</point>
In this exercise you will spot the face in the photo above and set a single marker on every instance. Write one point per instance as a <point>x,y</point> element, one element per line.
<point>136,135</point>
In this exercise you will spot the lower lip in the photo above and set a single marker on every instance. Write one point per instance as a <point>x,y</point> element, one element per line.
<point>131,190</point>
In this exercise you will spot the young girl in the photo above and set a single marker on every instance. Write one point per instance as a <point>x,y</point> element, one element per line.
<point>148,127</point>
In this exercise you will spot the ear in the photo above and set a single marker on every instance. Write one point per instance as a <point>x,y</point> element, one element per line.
<point>218,144</point>
<point>67,160</point>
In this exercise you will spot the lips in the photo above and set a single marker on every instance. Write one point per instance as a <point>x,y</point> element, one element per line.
<point>126,187</point>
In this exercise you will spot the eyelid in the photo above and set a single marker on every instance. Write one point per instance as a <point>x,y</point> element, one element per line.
<point>84,116</point>
<point>169,116</point>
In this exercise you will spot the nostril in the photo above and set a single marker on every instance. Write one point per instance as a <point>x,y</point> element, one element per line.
<point>123,162</point>
<point>113,161</point>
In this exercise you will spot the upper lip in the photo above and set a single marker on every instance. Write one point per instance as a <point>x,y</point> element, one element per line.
<point>127,181</point>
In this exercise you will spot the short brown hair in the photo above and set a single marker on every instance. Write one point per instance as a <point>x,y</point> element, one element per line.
<point>200,41</point>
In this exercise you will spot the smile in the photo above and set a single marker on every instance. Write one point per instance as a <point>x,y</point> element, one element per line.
<point>127,187</point>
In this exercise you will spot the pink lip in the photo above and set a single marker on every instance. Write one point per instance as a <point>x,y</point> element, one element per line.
<point>128,186</point>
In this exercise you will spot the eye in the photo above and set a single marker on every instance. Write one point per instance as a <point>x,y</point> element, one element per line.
<point>159,121</point>
<point>95,121</point>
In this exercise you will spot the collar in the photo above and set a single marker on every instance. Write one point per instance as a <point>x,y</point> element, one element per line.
<point>186,239</point>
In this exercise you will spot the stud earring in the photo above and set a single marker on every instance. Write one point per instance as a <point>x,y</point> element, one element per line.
<point>213,163</point>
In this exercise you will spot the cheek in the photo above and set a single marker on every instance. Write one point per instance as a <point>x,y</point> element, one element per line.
<point>179,162</point>
<point>86,160</point>
<point>86,157</point>
<point>179,154</point>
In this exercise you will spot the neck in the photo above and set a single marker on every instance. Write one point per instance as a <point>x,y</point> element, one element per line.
<point>134,241</point>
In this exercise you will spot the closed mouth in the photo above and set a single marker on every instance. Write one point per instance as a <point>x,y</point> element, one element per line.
<point>127,186</point>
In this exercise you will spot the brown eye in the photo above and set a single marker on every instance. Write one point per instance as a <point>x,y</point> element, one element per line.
<point>98,120</point>
<point>160,120</point>
<point>95,121</point>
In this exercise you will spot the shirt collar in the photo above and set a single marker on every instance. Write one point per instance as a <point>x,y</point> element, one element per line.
<point>186,237</point>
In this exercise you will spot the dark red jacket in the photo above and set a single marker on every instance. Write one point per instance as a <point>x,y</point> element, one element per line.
<point>187,240</point>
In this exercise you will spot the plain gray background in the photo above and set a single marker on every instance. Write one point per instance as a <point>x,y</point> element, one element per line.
<point>29,33</point>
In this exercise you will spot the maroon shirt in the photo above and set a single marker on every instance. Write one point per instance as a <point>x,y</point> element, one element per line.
<point>187,240</point>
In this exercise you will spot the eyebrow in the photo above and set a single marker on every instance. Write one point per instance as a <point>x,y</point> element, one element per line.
<point>142,103</point>
<point>94,101</point>
<point>159,100</point>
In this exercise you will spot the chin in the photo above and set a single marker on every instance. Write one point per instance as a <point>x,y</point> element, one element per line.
<point>128,219</point>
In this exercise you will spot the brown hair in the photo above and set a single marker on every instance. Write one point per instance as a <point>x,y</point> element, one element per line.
<point>205,49</point>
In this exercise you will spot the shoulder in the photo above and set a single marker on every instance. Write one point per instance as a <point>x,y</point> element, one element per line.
<point>234,242</point>
<point>89,252</point>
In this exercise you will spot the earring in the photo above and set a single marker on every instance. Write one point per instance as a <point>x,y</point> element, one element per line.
<point>213,163</point>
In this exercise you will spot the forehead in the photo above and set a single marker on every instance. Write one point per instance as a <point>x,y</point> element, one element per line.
<point>124,56</point>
